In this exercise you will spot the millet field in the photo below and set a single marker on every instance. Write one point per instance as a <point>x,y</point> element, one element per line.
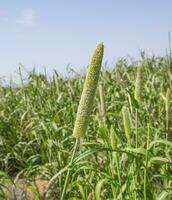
<point>103,136</point>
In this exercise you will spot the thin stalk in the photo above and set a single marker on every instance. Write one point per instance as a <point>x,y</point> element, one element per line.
<point>167,108</point>
<point>112,174</point>
<point>111,168</point>
<point>135,181</point>
<point>146,164</point>
<point>135,164</point>
<point>118,173</point>
<point>115,158</point>
<point>136,128</point>
<point>167,123</point>
<point>167,131</point>
<point>102,103</point>
<point>68,173</point>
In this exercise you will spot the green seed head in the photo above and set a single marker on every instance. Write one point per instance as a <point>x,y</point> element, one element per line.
<point>113,138</point>
<point>126,121</point>
<point>138,84</point>
<point>167,99</point>
<point>88,93</point>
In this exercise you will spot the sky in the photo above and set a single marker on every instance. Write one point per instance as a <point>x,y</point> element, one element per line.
<point>50,34</point>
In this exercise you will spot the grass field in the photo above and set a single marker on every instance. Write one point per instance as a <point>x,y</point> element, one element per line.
<point>126,152</point>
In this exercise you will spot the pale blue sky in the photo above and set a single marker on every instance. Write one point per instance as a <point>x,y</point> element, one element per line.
<point>54,33</point>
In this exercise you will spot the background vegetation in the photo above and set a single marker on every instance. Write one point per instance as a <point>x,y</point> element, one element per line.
<point>127,151</point>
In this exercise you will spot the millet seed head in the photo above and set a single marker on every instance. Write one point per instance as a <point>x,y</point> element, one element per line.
<point>138,84</point>
<point>88,93</point>
<point>126,122</point>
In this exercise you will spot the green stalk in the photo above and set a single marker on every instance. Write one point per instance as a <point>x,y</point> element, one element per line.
<point>115,157</point>
<point>138,97</point>
<point>102,103</point>
<point>86,103</point>
<point>167,108</point>
<point>146,164</point>
<point>134,163</point>
<point>68,173</point>
<point>118,173</point>
<point>136,128</point>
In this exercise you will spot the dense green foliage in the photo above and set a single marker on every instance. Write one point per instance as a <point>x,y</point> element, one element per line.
<point>37,120</point>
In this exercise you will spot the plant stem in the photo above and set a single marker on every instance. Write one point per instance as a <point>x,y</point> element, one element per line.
<point>118,173</point>
<point>68,173</point>
<point>146,163</point>
<point>136,128</point>
<point>135,164</point>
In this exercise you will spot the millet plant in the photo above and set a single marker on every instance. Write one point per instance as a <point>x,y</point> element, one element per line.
<point>84,143</point>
